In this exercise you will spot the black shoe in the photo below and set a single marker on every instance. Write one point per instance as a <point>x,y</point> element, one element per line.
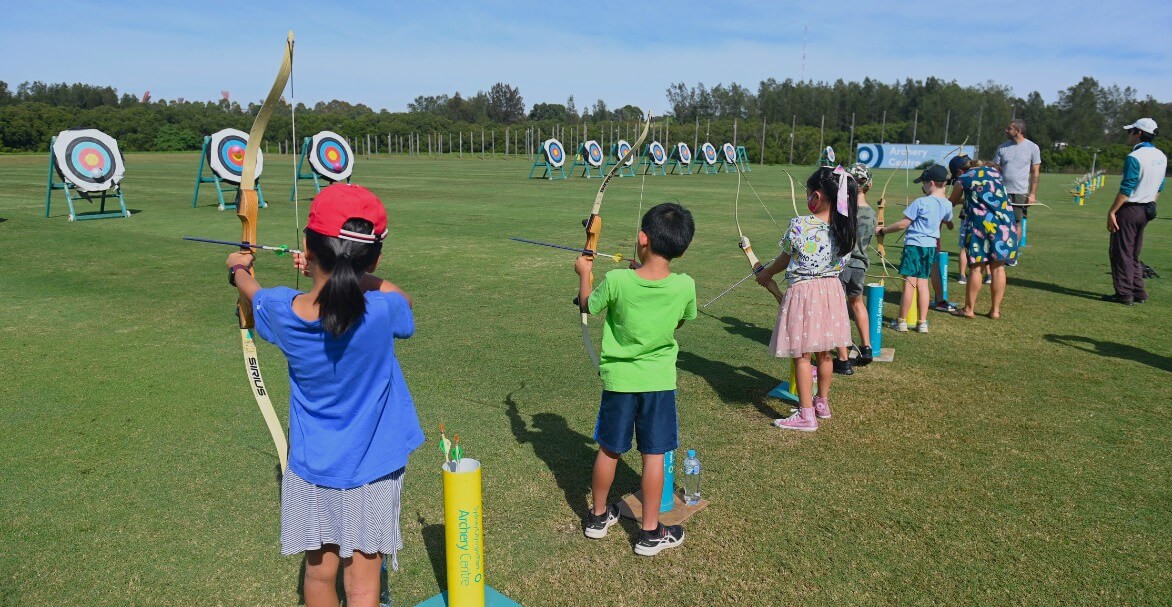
<point>865,356</point>
<point>665,536</point>
<point>1127,301</point>
<point>598,524</point>
<point>843,367</point>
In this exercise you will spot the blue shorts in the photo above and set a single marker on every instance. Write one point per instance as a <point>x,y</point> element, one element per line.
<point>651,415</point>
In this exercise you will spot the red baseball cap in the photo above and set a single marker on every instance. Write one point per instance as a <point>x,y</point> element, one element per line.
<point>341,202</point>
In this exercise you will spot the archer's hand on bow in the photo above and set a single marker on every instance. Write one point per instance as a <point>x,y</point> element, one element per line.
<point>584,266</point>
<point>301,263</point>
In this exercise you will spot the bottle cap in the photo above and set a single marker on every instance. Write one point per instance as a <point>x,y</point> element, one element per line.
<point>691,453</point>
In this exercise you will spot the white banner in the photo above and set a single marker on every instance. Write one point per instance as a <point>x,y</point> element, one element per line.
<point>898,155</point>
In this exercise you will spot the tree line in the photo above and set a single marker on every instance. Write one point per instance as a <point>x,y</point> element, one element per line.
<point>782,121</point>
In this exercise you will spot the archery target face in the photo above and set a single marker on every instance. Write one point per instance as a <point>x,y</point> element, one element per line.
<point>621,150</point>
<point>829,155</point>
<point>330,156</point>
<point>708,153</point>
<point>658,155</point>
<point>555,154</point>
<point>88,159</point>
<point>684,153</point>
<point>730,153</point>
<point>870,155</point>
<point>593,153</point>
<point>226,155</point>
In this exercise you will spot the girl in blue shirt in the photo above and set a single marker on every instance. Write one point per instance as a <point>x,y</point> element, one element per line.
<point>352,422</point>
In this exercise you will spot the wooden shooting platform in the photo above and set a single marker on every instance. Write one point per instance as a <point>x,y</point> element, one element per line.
<point>632,507</point>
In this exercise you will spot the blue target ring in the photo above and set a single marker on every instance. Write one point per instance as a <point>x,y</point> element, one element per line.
<point>90,159</point>
<point>231,154</point>
<point>870,155</point>
<point>657,153</point>
<point>333,155</point>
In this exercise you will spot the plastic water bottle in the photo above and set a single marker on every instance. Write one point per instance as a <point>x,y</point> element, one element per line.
<point>691,479</point>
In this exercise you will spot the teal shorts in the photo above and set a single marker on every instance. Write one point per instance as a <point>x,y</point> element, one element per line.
<point>916,262</point>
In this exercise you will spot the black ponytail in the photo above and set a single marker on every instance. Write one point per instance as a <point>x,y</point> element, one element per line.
<point>842,227</point>
<point>341,300</point>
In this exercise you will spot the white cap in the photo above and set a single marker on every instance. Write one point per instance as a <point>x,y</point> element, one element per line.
<point>1146,125</point>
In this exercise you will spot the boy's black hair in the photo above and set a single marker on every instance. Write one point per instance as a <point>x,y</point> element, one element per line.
<point>1144,136</point>
<point>342,301</point>
<point>842,227</point>
<point>669,229</point>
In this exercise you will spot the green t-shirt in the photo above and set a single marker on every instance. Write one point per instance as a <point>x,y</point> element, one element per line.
<point>867,221</point>
<point>638,340</point>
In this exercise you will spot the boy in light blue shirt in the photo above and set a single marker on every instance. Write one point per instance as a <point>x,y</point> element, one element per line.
<point>922,221</point>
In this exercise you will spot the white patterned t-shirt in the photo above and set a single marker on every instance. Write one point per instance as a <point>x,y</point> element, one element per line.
<point>808,242</point>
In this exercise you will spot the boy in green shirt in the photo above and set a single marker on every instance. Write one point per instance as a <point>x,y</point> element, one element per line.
<point>638,368</point>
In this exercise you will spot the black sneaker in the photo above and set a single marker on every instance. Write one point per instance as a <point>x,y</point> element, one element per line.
<point>652,542</point>
<point>1113,298</point>
<point>843,367</point>
<point>598,524</point>
<point>865,356</point>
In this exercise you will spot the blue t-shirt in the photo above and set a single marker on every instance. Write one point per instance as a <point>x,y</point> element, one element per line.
<point>351,418</point>
<point>926,213</point>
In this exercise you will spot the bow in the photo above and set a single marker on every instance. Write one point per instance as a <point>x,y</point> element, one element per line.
<point>246,207</point>
<point>744,243</point>
<point>593,225</point>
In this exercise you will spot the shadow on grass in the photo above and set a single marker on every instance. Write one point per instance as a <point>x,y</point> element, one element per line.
<point>1014,281</point>
<point>1111,349</point>
<point>568,454</point>
<point>436,545</point>
<point>741,328</point>
<point>735,385</point>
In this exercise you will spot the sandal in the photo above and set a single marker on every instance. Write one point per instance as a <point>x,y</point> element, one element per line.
<point>959,313</point>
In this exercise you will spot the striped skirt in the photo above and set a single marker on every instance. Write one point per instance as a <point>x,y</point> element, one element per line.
<point>363,519</point>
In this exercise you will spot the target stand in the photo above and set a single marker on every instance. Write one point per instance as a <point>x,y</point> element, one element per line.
<point>653,159</point>
<point>743,159</point>
<point>728,159</point>
<point>551,159</point>
<point>617,151</point>
<point>330,160</point>
<point>81,149</point>
<point>680,161</point>
<point>590,158</point>
<point>708,160</point>
<point>232,185</point>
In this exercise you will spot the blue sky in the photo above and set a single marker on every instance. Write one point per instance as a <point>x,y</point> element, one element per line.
<point>383,54</point>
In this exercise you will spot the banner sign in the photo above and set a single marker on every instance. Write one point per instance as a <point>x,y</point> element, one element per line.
<point>898,155</point>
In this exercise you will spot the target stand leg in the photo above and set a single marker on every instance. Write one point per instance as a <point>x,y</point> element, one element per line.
<point>787,390</point>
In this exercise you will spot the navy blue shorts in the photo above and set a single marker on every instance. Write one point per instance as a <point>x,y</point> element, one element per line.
<point>650,415</point>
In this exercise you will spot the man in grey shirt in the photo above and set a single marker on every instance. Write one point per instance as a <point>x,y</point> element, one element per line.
<point>1021,163</point>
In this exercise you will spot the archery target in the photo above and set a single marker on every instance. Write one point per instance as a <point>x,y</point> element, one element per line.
<point>708,153</point>
<point>88,159</point>
<point>593,153</point>
<point>730,153</point>
<point>555,154</point>
<point>226,155</point>
<point>621,150</point>
<point>658,154</point>
<point>829,152</point>
<point>330,156</point>
<point>870,155</point>
<point>683,153</point>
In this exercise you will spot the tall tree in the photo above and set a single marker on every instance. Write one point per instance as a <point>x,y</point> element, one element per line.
<point>505,103</point>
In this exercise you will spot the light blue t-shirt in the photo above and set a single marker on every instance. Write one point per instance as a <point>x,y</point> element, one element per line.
<point>926,213</point>
<point>351,418</point>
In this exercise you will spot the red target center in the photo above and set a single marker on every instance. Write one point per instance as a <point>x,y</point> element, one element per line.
<point>93,161</point>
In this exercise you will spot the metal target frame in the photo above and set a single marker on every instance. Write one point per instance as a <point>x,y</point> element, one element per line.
<point>617,151</point>
<point>680,159</point>
<point>222,174</point>
<point>590,158</point>
<point>72,146</point>
<point>709,158</point>
<point>652,163</point>
<point>551,168</point>
<point>318,172</point>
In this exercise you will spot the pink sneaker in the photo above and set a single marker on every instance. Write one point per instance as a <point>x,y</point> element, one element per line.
<point>803,420</point>
<point>821,407</point>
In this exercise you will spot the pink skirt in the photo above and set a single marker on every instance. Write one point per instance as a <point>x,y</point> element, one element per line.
<point>812,318</point>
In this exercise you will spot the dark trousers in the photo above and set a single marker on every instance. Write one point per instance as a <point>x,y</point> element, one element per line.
<point>1126,271</point>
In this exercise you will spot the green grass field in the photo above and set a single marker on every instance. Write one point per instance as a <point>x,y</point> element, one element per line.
<point>1021,461</point>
